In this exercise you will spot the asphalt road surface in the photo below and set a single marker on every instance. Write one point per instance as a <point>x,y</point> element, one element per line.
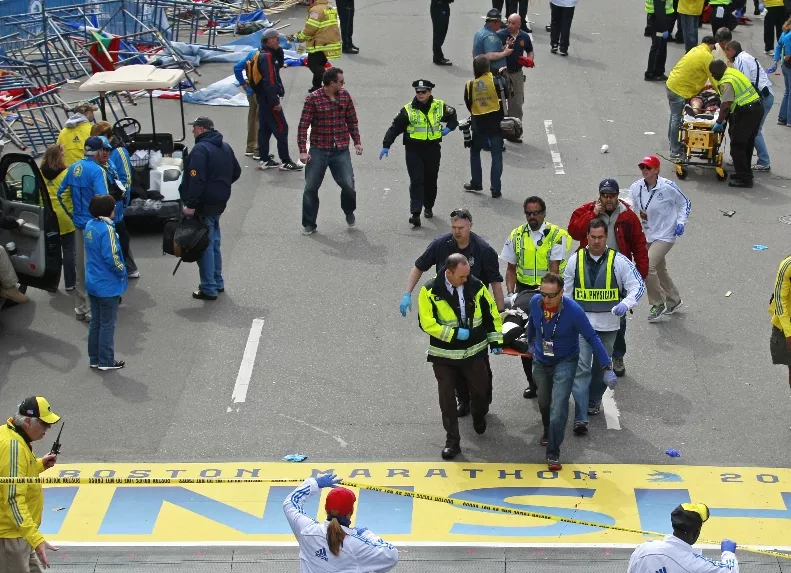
<point>339,375</point>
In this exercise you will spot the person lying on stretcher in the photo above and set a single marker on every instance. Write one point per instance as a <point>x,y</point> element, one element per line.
<point>703,106</point>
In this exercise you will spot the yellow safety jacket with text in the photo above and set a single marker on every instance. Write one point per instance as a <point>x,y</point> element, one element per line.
<point>425,127</point>
<point>595,285</point>
<point>532,262</point>
<point>743,90</point>
<point>483,95</point>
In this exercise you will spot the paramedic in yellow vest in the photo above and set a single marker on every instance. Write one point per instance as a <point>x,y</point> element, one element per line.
<point>606,285</point>
<point>780,311</point>
<point>421,123</point>
<point>719,14</point>
<point>483,101</point>
<point>741,104</point>
<point>76,130</point>
<point>22,545</point>
<point>460,316</point>
<point>322,38</point>
<point>531,251</point>
<point>660,18</point>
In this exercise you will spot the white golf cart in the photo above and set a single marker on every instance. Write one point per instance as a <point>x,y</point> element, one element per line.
<point>157,158</point>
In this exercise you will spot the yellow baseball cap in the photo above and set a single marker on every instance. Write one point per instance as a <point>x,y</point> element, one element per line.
<point>38,407</point>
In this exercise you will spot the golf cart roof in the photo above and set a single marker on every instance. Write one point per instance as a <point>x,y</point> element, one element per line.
<point>136,77</point>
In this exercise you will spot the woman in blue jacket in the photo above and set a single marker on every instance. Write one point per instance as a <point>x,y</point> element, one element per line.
<point>105,281</point>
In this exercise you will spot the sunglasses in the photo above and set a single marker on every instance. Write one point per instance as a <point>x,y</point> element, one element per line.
<point>550,294</point>
<point>534,213</point>
<point>460,214</point>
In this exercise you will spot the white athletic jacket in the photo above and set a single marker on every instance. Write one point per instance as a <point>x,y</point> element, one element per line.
<point>672,555</point>
<point>365,553</point>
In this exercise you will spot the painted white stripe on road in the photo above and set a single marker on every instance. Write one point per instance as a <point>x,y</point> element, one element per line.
<point>248,361</point>
<point>553,147</point>
<point>611,414</point>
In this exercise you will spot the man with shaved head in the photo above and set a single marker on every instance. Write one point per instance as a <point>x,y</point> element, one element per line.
<point>521,56</point>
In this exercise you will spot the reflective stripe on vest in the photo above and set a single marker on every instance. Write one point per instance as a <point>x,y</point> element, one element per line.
<point>419,128</point>
<point>649,6</point>
<point>743,91</point>
<point>532,262</point>
<point>719,2</point>
<point>594,290</point>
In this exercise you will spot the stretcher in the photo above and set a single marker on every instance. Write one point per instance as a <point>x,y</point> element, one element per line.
<point>513,352</point>
<point>702,147</point>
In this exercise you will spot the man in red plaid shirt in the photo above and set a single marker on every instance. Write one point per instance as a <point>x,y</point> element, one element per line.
<point>330,114</point>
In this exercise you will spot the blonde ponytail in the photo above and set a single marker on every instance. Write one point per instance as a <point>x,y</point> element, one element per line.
<point>335,536</point>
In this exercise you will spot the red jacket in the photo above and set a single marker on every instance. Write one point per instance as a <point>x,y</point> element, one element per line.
<point>628,233</point>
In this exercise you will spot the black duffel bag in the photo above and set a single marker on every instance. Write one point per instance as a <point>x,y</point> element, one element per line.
<point>185,238</point>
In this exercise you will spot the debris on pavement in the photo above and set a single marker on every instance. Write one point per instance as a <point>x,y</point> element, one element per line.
<point>760,248</point>
<point>729,293</point>
<point>673,453</point>
<point>649,133</point>
<point>728,213</point>
<point>605,148</point>
<point>295,458</point>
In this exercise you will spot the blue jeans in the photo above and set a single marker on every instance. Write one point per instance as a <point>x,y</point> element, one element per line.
<point>554,389</point>
<point>104,311</point>
<point>689,28</point>
<point>619,348</point>
<point>589,383</point>
<point>340,164</point>
<point>69,260</point>
<point>760,144</point>
<point>210,262</point>
<point>479,141</point>
<point>676,103</point>
<point>785,106</point>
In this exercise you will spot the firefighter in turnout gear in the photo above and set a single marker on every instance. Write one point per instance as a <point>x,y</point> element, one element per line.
<point>421,123</point>
<point>322,38</point>
<point>459,314</point>
<point>531,251</point>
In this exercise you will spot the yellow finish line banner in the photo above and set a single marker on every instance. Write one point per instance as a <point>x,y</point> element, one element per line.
<point>751,505</point>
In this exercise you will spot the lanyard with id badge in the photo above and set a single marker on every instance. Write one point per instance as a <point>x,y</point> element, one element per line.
<point>644,208</point>
<point>548,346</point>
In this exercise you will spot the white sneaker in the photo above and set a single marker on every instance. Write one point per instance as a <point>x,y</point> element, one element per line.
<point>134,275</point>
<point>759,167</point>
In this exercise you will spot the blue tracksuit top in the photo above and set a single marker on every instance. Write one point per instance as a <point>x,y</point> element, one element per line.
<point>105,271</point>
<point>83,180</point>
<point>122,165</point>
<point>571,324</point>
<point>239,67</point>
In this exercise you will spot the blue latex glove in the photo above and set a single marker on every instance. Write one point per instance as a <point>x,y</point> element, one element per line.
<point>718,128</point>
<point>361,530</point>
<point>739,13</point>
<point>761,6</point>
<point>497,351</point>
<point>463,333</point>
<point>610,379</point>
<point>665,35</point>
<point>328,480</point>
<point>679,230</point>
<point>728,545</point>
<point>384,153</point>
<point>619,309</point>
<point>445,131</point>
<point>406,303</point>
<point>771,69</point>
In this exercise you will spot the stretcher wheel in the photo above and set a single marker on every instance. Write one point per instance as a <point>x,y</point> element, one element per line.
<point>681,171</point>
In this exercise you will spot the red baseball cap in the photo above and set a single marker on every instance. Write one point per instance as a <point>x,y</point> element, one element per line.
<point>340,501</point>
<point>651,161</point>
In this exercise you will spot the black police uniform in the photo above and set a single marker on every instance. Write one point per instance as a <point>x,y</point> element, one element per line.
<point>440,19</point>
<point>422,156</point>
<point>346,21</point>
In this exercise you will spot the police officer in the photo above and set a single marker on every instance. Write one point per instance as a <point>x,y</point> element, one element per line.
<point>484,267</point>
<point>675,553</point>
<point>531,251</point>
<point>440,19</point>
<point>421,123</point>
<point>461,319</point>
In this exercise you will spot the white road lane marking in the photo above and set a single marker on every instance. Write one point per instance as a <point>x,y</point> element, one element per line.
<point>323,431</point>
<point>611,414</point>
<point>248,361</point>
<point>553,147</point>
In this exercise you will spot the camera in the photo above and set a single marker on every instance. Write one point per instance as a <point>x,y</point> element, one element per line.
<point>465,127</point>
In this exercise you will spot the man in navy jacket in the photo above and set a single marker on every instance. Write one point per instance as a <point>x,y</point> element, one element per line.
<point>210,171</point>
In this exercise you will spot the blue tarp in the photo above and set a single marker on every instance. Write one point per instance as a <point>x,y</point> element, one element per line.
<point>243,18</point>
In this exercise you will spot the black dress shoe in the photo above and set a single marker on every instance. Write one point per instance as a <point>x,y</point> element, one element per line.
<point>351,50</point>
<point>740,183</point>
<point>450,452</point>
<point>443,62</point>
<point>479,426</point>
<point>428,213</point>
<point>200,295</point>
<point>529,393</point>
<point>414,220</point>
<point>496,194</point>
<point>471,187</point>
<point>462,409</point>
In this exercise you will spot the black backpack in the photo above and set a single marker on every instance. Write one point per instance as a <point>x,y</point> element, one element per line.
<point>185,238</point>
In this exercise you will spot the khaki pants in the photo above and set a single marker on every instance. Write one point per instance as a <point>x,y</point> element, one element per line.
<point>658,283</point>
<point>16,556</point>
<point>80,298</point>
<point>252,125</point>
<point>8,278</point>
<point>516,94</point>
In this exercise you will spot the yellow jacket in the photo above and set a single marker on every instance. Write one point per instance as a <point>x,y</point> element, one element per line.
<point>691,7</point>
<point>773,3</point>
<point>691,72</point>
<point>64,221</point>
<point>22,504</point>
<point>321,32</point>
<point>780,305</point>
<point>72,138</point>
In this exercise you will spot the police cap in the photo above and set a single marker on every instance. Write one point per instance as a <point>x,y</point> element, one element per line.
<point>422,85</point>
<point>494,15</point>
<point>689,517</point>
